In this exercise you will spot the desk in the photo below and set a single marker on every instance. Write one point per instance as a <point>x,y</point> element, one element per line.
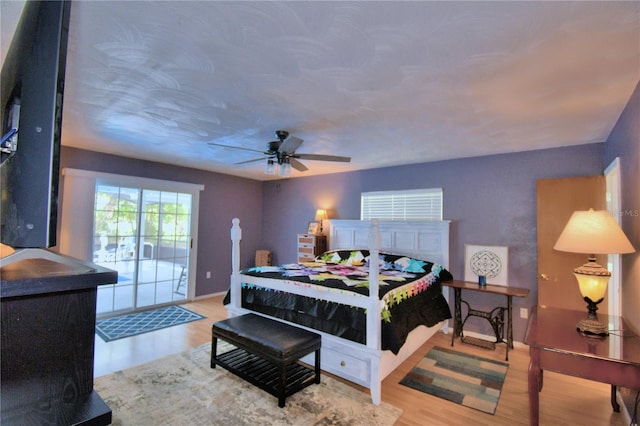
<point>495,317</point>
<point>556,345</point>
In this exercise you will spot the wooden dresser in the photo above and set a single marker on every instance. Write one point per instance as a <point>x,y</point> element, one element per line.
<point>48,337</point>
<point>310,246</point>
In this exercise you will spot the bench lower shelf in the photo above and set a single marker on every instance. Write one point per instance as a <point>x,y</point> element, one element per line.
<point>265,374</point>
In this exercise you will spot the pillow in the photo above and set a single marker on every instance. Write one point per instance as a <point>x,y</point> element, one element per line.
<point>408,264</point>
<point>329,257</point>
<point>356,258</point>
<point>347,257</point>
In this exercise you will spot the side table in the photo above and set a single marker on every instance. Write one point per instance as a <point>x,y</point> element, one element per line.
<point>556,345</point>
<point>495,316</point>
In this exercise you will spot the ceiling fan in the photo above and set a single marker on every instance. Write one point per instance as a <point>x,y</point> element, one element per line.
<point>283,153</point>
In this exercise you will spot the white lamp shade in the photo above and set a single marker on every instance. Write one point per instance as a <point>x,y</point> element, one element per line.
<point>593,232</point>
<point>321,214</point>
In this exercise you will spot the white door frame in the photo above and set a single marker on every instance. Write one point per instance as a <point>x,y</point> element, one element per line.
<point>78,195</point>
<point>614,205</point>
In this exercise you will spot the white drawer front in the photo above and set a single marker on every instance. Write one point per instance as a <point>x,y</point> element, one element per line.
<point>348,367</point>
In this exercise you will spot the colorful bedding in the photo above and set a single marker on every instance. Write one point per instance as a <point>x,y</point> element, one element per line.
<point>410,289</point>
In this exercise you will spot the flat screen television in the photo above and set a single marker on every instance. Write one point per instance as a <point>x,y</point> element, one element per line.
<point>31,94</point>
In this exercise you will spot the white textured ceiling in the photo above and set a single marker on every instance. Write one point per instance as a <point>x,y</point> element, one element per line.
<point>386,83</point>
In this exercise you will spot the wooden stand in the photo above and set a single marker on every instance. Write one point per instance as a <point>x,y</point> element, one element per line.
<point>495,317</point>
<point>48,337</point>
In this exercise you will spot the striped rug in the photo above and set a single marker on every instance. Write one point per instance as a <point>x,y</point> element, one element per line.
<point>468,380</point>
<point>142,322</point>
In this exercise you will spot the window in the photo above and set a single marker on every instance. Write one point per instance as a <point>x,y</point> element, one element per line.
<point>413,204</point>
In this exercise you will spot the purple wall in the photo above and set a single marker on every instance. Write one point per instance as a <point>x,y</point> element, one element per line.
<point>490,200</point>
<point>224,197</point>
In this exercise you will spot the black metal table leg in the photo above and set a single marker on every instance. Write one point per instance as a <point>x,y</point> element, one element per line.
<point>509,326</point>
<point>457,315</point>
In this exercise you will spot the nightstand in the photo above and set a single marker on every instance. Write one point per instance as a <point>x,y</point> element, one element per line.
<point>310,246</point>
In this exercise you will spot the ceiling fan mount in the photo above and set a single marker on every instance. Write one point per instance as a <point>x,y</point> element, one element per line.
<point>283,151</point>
<point>282,135</point>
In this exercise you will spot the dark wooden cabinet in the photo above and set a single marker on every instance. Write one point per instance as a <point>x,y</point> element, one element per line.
<point>48,331</point>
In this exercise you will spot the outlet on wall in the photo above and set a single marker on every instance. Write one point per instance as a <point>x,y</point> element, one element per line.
<point>524,313</point>
<point>208,274</point>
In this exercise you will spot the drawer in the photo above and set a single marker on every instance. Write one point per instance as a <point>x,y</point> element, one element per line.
<point>306,250</point>
<point>305,258</point>
<point>306,240</point>
<point>346,366</point>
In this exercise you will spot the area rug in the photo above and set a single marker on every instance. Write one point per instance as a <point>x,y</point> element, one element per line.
<point>183,389</point>
<point>142,322</point>
<point>467,380</point>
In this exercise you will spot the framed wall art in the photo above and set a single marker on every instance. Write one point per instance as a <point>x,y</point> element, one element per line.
<point>490,261</point>
<point>313,228</point>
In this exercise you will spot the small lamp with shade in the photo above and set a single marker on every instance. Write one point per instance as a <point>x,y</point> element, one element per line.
<point>593,232</point>
<point>321,215</point>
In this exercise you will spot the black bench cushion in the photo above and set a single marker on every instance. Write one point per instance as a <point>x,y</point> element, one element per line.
<point>274,338</point>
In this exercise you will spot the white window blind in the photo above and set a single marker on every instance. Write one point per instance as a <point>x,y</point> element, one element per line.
<point>413,204</point>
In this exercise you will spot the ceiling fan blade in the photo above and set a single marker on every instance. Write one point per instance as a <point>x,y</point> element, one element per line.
<point>236,147</point>
<point>252,161</point>
<point>297,165</point>
<point>320,157</point>
<point>290,145</point>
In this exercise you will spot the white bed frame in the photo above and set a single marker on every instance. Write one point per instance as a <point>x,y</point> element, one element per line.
<point>366,365</point>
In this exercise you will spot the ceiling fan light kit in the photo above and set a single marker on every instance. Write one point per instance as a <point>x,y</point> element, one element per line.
<point>285,168</point>
<point>270,167</point>
<point>283,153</point>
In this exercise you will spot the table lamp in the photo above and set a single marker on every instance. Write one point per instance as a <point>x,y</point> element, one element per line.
<point>321,215</point>
<point>593,232</point>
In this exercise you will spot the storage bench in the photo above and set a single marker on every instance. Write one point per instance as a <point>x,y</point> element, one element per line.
<point>267,353</point>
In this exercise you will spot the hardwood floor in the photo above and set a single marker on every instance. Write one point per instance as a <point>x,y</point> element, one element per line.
<point>563,401</point>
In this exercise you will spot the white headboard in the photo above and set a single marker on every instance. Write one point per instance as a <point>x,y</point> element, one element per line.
<point>426,240</point>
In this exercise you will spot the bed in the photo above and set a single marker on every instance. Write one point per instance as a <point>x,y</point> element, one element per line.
<point>364,354</point>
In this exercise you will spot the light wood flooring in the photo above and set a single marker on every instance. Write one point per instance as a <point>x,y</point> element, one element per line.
<point>563,401</point>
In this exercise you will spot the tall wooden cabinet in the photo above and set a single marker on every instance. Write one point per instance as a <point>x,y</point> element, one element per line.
<point>310,246</point>
<point>48,331</point>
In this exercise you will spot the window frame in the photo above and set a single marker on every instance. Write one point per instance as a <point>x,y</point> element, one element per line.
<point>402,205</point>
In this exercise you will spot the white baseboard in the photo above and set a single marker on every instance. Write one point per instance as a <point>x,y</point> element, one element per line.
<point>210,295</point>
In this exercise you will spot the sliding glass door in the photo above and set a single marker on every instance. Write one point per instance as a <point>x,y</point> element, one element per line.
<point>145,235</point>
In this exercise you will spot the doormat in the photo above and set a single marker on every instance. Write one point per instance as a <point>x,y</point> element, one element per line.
<point>467,380</point>
<point>142,322</point>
